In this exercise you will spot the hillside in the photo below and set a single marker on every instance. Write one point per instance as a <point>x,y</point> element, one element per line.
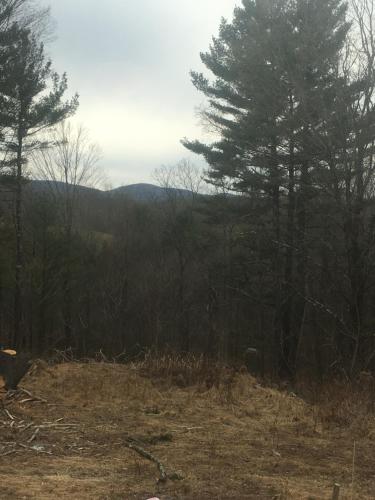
<point>137,192</point>
<point>145,192</point>
<point>76,432</point>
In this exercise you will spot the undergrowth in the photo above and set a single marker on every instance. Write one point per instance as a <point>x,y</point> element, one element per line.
<point>347,404</point>
<point>187,370</point>
<point>334,404</point>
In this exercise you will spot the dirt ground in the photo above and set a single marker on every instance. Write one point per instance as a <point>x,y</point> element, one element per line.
<point>71,436</point>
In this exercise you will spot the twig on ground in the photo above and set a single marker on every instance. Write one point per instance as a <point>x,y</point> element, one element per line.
<point>19,428</point>
<point>16,394</point>
<point>38,449</point>
<point>35,433</point>
<point>7,412</point>
<point>32,397</point>
<point>10,452</point>
<point>27,426</point>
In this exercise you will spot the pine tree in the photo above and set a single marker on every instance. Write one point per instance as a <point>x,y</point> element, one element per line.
<point>10,33</point>
<point>273,91</point>
<point>31,102</point>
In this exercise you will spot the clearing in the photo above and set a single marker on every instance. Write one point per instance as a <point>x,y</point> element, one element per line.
<point>70,435</point>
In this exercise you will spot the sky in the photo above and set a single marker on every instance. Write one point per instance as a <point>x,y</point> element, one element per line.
<point>129,60</point>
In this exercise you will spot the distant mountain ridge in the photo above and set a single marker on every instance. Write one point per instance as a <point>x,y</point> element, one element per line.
<point>138,192</point>
<point>144,191</point>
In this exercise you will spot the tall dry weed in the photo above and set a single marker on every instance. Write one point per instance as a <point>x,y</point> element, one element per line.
<point>188,370</point>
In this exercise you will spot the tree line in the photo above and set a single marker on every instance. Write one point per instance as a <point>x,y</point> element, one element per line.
<point>279,258</point>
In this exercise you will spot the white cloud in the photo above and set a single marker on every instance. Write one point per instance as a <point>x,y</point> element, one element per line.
<point>130,61</point>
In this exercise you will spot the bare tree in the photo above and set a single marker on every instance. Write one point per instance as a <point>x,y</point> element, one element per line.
<point>69,163</point>
<point>182,183</point>
<point>184,175</point>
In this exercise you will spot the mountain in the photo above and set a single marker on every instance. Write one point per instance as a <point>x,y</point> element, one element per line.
<point>56,186</point>
<point>139,192</point>
<point>147,192</point>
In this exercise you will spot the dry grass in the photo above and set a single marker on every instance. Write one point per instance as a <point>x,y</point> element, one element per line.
<point>347,407</point>
<point>218,429</point>
<point>169,370</point>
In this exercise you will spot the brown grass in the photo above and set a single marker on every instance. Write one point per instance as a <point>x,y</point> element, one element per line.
<point>224,434</point>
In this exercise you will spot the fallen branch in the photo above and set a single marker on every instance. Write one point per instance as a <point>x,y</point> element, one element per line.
<point>35,433</point>
<point>7,412</point>
<point>20,392</point>
<point>144,453</point>
<point>32,397</point>
<point>37,449</point>
<point>19,427</point>
<point>10,452</point>
<point>27,426</point>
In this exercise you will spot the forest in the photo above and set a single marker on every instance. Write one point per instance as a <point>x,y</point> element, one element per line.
<point>275,257</point>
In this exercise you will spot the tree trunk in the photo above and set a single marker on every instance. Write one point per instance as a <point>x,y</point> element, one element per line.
<point>16,341</point>
<point>275,190</point>
<point>289,340</point>
<point>301,259</point>
<point>40,344</point>
<point>212,313</point>
<point>67,292</point>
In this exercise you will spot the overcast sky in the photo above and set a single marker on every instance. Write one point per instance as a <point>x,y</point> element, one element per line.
<point>130,60</point>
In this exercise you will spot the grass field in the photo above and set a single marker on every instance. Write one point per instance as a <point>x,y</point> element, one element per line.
<point>80,429</point>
